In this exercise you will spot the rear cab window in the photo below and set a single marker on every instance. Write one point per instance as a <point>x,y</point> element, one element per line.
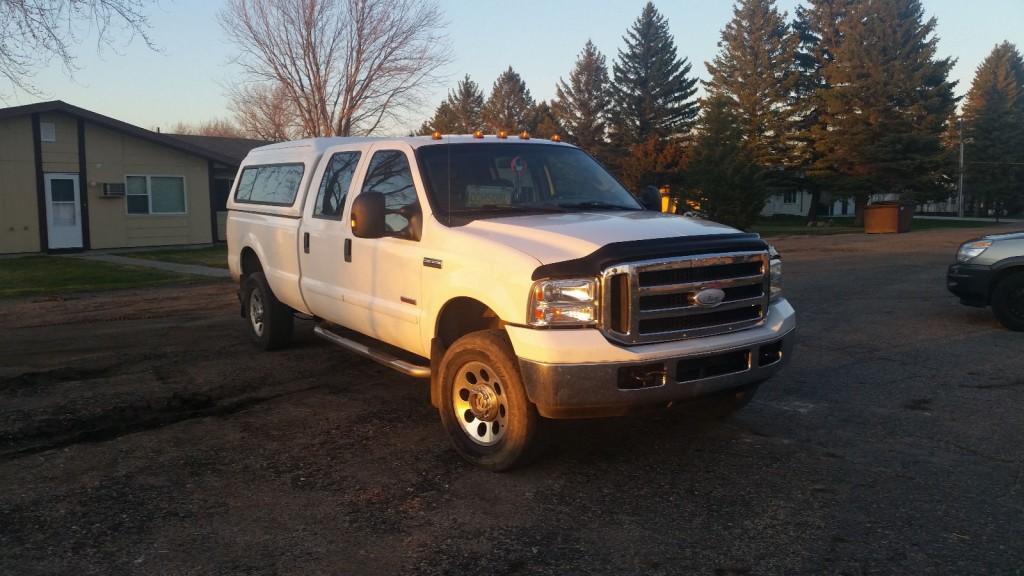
<point>271,184</point>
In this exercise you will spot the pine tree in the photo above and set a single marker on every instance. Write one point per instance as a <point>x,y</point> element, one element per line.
<point>753,74</point>
<point>888,100</point>
<point>444,120</point>
<point>460,113</point>
<point>582,104</point>
<point>994,131</point>
<point>467,103</point>
<point>817,26</point>
<point>543,121</point>
<point>726,178</point>
<point>653,91</point>
<point>510,105</point>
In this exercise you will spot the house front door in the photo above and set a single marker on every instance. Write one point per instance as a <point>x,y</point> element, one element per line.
<point>63,211</point>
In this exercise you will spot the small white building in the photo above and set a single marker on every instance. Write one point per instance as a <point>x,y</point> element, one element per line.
<point>794,203</point>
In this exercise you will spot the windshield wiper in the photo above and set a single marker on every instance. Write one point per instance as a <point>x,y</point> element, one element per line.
<point>512,208</point>
<point>597,205</point>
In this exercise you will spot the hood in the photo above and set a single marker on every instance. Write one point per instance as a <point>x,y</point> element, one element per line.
<point>558,237</point>
<point>1005,236</point>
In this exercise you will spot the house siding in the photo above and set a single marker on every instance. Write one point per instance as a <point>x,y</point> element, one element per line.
<point>19,216</point>
<point>111,155</point>
<point>62,154</point>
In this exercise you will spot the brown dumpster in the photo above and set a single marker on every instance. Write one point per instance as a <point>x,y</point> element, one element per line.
<point>888,217</point>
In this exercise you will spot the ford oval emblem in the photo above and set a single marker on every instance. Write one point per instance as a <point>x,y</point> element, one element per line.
<point>709,297</point>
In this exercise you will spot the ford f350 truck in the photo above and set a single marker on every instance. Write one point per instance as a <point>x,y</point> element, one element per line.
<point>517,275</point>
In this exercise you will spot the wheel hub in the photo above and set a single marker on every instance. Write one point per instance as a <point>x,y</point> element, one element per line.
<point>484,403</point>
<point>480,402</point>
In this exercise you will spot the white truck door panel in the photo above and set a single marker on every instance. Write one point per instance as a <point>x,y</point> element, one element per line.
<point>326,276</point>
<point>387,285</point>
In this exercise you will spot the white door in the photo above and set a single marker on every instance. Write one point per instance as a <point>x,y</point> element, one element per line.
<point>325,249</point>
<point>63,211</point>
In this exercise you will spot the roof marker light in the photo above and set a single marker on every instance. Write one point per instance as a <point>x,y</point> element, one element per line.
<point>502,134</point>
<point>556,138</point>
<point>479,134</point>
<point>436,135</point>
<point>524,135</point>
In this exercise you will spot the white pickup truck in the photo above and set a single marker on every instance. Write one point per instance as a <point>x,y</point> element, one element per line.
<point>516,274</point>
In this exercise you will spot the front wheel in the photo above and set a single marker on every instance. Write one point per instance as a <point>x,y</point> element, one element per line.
<point>484,408</point>
<point>1008,301</point>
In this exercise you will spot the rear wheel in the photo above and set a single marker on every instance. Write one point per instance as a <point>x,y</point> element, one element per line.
<point>484,408</point>
<point>270,322</point>
<point>1008,301</point>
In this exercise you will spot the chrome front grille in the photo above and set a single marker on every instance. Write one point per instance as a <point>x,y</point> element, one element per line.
<point>654,301</point>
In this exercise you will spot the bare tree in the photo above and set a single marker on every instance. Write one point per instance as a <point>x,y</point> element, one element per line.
<point>216,127</point>
<point>347,66</point>
<point>265,112</point>
<point>33,33</point>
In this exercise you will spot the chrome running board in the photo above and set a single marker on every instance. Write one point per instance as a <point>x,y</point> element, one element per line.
<point>379,356</point>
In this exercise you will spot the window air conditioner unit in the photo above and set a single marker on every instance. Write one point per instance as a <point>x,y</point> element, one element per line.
<point>113,189</point>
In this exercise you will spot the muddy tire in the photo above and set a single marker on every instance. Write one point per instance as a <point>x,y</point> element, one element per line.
<point>1008,301</point>
<point>270,322</point>
<point>483,404</point>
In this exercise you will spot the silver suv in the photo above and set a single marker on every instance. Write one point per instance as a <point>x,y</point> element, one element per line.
<point>990,271</point>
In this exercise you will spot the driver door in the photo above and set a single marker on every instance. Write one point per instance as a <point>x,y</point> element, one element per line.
<point>390,268</point>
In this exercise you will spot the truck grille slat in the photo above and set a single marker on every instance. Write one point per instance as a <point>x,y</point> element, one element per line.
<point>655,301</point>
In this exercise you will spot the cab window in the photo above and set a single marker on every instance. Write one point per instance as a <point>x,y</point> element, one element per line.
<point>389,174</point>
<point>330,200</point>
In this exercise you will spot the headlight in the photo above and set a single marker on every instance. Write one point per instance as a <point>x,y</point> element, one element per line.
<point>775,272</point>
<point>563,303</point>
<point>972,250</point>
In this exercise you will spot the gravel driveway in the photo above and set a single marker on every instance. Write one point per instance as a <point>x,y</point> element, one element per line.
<point>141,434</point>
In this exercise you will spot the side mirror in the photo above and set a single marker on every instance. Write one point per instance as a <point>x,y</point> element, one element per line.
<point>650,198</point>
<point>368,215</point>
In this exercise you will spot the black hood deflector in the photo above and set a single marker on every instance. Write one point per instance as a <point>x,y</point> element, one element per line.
<point>619,252</point>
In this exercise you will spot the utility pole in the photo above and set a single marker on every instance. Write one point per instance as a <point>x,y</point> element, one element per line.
<point>960,196</point>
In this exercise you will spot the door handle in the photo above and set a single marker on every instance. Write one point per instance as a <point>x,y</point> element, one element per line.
<point>348,249</point>
<point>305,242</point>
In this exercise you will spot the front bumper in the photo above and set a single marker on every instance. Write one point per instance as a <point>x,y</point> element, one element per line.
<point>970,282</point>
<point>562,385</point>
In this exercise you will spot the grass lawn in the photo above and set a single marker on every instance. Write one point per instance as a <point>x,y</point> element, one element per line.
<point>45,275</point>
<point>214,256</point>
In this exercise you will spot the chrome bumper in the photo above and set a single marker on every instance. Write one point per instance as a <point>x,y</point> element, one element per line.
<point>615,388</point>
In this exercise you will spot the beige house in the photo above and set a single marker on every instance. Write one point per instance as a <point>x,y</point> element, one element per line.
<point>72,179</point>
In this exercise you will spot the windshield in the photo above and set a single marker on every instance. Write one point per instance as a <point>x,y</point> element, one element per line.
<point>487,180</point>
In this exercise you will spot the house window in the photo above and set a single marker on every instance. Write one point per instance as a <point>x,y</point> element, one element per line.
<point>155,194</point>
<point>789,197</point>
<point>47,132</point>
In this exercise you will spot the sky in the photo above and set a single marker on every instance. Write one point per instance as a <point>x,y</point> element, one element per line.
<point>186,79</point>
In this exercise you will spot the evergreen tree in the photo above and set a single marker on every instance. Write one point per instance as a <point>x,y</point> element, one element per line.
<point>888,99</point>
<point>653,91</point>
<point>444,120</point>
<point>817,27</point>
<point>753,74</point>
<point>654,163</point>
<point>582,104</point>
<point>994,131</point>
<point>544,123</point>
<point>727,180</point>
<point>510,105</point>
<point>460,113</point>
